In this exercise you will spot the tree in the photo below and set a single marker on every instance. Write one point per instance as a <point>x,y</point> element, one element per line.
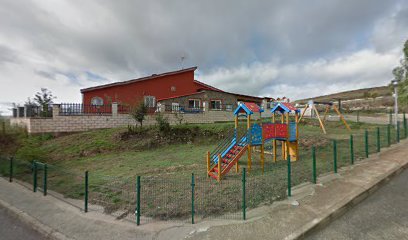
<point>138,112</point>
<point>43,99</point>
<point>401,74</point>
<point>30,103</point>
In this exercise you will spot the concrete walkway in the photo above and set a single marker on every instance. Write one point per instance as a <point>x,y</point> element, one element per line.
<point>310,207</point>
<point>383,215</point>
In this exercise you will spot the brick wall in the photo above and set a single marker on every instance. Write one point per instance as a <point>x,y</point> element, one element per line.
<point>61,124</point>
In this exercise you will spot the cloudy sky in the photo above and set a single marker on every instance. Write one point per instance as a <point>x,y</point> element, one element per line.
<point>266,48</point>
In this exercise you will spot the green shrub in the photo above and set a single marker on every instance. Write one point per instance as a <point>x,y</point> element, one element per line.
<point>163,123</point>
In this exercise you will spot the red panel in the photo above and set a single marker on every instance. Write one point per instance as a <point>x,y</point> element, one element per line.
<point>281,130</point>
<point>268,130</point>
<point>274,130</point>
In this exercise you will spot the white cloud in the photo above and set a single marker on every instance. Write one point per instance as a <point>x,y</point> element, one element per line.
<point>365,68</point>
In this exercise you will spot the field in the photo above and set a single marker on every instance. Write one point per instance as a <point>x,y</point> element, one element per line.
<point>353,94</point>
<point>166,158</point>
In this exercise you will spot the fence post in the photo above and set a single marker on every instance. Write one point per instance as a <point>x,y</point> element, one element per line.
<point>34,176</point>
<point>405,126</point>
<point>351,149</point>
<point>335,155</point>
<point>366,142</point>
<point>86,196</point>
<point>243,194</point>
<point>289,175</point>
<point>389,135</point>
<point>314,164</point>
<point>390,117</point>
<point>192,198</point>
<point>45,180</point>
<point>11,170</point>
<point>378,140</point>
<point>398,132</point>
<point>138,201</point>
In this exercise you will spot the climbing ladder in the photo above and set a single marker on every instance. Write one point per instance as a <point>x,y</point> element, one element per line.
<point>229,151</point>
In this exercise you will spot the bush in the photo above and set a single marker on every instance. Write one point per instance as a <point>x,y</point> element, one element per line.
<point>138,112</point>
<point>163,123</point>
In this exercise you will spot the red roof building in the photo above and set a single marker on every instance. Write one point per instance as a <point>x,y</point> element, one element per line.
<point>176,87</point>
<point>151,88</point>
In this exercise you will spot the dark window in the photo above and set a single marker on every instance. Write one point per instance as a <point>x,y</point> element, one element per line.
<point>216,104</point>
<point>193,103</point>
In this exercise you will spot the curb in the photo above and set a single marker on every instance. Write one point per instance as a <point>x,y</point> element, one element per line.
<point>322,221</point>
<point>35,224</point>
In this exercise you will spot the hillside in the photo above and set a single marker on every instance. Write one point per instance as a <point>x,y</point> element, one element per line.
<point>353,94</point>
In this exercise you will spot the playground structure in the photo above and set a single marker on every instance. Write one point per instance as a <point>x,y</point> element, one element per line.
<point>328,105</point>
<point>233,147</point>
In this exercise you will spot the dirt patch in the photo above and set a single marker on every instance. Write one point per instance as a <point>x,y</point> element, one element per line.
<point>8,144</point>
<point>307,143</point>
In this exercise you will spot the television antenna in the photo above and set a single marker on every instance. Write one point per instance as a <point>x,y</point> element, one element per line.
<point>183,57</point>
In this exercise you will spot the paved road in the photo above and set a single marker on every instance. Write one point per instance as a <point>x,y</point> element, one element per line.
<point>12,229</point>
<point>383,215</point>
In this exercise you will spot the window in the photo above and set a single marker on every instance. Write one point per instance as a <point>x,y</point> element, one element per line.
<point>150,101</point>
<point>228,107</point>
<point>97,101</point>
<point>194,103</point>
<point>173,88</point>
<point>175,107</point>
<point>215,104</point>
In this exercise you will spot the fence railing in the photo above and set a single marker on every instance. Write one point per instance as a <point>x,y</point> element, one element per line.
<point>143,199</point>
<point>33,111</point>
<point>70,109</point>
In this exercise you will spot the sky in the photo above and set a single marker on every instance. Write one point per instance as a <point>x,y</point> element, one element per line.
<point>269,48</point>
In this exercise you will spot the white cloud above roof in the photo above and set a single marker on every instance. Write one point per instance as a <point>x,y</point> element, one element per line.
<point>274,48</point>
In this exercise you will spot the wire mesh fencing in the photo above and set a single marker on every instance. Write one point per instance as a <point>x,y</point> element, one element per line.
<point>343,153</point>
<point>324,159</point>
<point>66,185</point>
<point>4,166</point>
<point>215,200</point>
<point>164,198</point>
<point>112,195</point>
<point>267,188</point>
<point>22,172</point>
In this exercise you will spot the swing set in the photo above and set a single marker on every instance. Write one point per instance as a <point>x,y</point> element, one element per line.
<point>329,105</point>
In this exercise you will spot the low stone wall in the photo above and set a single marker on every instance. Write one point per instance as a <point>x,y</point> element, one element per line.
<point>63,124</point>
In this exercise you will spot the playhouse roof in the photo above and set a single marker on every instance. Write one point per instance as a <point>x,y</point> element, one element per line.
<point>284,108</point>
<point>248,108</point>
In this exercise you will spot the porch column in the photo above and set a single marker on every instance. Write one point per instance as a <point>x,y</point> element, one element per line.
<point>206,106</point>
<point>55,110</point>
<point>114,109</point>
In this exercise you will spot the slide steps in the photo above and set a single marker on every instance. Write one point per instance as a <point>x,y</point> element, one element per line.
<point>228,161</point>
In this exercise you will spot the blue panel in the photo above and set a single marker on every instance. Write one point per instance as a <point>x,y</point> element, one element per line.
<point>256,134</point>
<point>292,131</point>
